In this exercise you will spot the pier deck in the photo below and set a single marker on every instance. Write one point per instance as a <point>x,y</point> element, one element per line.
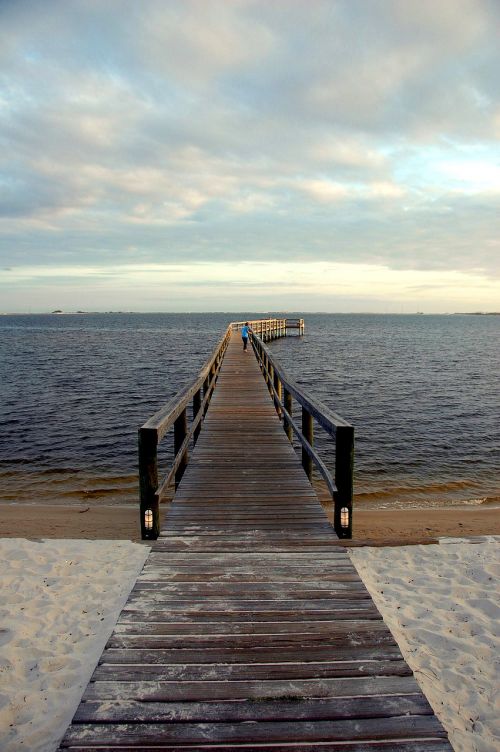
<point>249,627</point>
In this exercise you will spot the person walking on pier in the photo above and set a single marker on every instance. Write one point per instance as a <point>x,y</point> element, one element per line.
<point>244,335</point>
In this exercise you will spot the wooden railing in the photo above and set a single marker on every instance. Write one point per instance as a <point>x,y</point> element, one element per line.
<point>175,415</point>
<point>283,391</point>
<point>266,329</point>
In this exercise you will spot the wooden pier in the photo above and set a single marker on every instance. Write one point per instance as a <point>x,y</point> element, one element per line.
<point>249,627</point>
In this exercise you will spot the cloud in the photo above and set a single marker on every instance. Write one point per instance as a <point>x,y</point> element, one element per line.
<point>189,131</point>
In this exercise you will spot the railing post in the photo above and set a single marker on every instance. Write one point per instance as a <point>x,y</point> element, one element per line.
<point>287,399</point>
<point>277,387</point>
<point>206,387</point>
<point>308,433</point>
<point>266,368</point>
<point>271,379</point>
<point>180,433</point>
<point>196,410</point>
<point>344,470</point>
<point>148,484</point>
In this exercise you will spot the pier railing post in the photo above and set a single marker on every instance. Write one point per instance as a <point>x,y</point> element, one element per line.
<point>277,396</point>
<point>344,470</point>
<point>287,400</point>
<point>148,483</point>
<point>206,386</point>
<point>308,434</point>
<point>196,410</point>
<point>180,433</point>
<point>270,379</point>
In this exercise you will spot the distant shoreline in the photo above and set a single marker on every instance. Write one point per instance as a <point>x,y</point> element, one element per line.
<point>230,313</point>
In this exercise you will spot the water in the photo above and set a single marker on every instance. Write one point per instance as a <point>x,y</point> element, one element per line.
<point>422,392</point>
<point>423,395</point>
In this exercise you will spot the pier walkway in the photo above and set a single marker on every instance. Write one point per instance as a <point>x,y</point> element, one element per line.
<point>249,628</point>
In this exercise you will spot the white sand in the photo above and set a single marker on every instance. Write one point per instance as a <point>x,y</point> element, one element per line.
<point>442,605</point>
<point>58,605</point>
<point>60,600</point>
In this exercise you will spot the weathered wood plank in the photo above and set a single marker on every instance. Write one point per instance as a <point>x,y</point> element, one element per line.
<point>412,745</point>
<point>409,727</point>
<point>166,615</point>
<point>192,690</point>
<point>327,627</point>
<point>265,710</point>
<point>348,638</point>
<point>248,655</point>
<point>383,671</point>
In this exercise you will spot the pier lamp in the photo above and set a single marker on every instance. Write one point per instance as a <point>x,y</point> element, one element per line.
<point>148,519</point>
<point>344,517</point>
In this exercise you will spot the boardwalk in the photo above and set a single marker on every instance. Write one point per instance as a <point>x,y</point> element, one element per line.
<point>248,627</point>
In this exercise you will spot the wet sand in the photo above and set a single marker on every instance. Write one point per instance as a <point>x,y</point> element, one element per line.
<point>373,527</point>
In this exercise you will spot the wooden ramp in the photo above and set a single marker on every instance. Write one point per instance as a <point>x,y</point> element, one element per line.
<point>249,628</point>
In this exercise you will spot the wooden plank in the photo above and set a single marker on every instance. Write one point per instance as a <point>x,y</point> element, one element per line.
<point>409,727</point>
<point>187,690</point>
<point>167,615</point>
<point>411,745</point>
<point>238,672</point>
<point>248,655</point>
<point>347,638</point>
<point>331,628</point>
<point>265,710</point>
<point>262,591</point>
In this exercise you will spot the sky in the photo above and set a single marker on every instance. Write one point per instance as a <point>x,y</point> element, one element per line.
<point>328,155</point>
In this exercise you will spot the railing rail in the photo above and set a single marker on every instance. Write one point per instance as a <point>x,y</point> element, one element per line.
<point>174,414</point>
<point>283,390</point>
<point>267,329</point>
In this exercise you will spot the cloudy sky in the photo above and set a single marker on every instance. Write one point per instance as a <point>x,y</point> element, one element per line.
<point>336,155</point>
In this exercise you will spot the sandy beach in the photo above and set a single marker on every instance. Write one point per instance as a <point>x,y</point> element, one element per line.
<point>376,527</point>
<point>441,603</point>
<point>67,571</point>
<point>60,600</point>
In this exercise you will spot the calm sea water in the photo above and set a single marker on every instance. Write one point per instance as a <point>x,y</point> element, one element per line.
<point>421,391</point>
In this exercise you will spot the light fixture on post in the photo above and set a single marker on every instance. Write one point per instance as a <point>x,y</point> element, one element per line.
<point>148,519</point>
<point>344,517</point>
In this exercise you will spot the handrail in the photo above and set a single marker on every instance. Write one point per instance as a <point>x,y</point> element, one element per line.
<point>163,418</point>
<point>267,329</point>
<point>175,414</point>
<point>282,389</point>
